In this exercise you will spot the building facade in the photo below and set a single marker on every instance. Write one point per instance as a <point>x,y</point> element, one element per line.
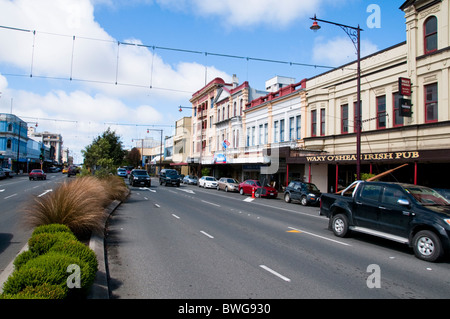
<point>404,108</point>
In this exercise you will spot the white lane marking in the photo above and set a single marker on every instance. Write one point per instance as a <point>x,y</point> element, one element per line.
<point>47,191</point>
<point>249,199</point>
<point>275,273</point>
<point>11,196</point>
<point>190,191</point>
<point>177,217</point>
<point>322,237</point>
<point>206,234</point>
<point>157,205</point>
<point>204,201</point>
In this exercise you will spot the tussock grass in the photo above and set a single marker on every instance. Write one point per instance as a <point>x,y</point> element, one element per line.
<point>79,204</point>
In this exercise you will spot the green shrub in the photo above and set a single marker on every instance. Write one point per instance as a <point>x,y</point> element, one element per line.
<point>44,291</point>
<point>51,228</point>
<point>77,249</point>
<point>41,243</point>
<point>50,269</point>
<point>23,258</point>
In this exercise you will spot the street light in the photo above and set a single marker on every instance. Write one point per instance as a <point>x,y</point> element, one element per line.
<point>354,34</point>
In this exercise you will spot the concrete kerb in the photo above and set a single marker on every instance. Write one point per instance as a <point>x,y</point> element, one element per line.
<point>99,289</point>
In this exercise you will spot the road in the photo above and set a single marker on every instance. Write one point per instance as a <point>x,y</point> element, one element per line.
<point>14,193</point>
<point>188,242</point>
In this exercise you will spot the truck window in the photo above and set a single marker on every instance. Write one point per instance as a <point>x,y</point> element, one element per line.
<point>391,195</point>
<point>371,192</point>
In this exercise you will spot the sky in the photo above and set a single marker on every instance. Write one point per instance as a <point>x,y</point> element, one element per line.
<point>79,67</point>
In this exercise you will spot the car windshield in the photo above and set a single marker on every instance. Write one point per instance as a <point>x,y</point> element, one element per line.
<point>230,180</point>
<point>192,177</point>
<point>257,183</point>
<point>311,187</point>
<point>140,172</point>
<point>171,173</point>
<point>121,170</point>
<point>427,196</point>
<point>210,178</point>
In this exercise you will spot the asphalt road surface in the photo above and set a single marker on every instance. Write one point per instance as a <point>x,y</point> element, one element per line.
<point>192,243</point>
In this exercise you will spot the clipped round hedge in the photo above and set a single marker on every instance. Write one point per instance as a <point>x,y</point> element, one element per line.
<point>44,271</point>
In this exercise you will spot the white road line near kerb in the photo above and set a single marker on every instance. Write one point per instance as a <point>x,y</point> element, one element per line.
<point>275,273</point>
<point>322,237</point>
<point>206,234</point>
<point>11,196</point>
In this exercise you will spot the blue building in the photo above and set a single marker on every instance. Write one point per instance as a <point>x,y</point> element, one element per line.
<point>17,151</point>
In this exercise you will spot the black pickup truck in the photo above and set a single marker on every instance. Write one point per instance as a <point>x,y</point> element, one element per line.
<point>414,215</point>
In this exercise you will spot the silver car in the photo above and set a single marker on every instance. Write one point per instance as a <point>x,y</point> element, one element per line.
<point>228,184</point>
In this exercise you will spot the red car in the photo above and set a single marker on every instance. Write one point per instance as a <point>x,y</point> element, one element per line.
<point>249,185</point>
<point>37,174</point>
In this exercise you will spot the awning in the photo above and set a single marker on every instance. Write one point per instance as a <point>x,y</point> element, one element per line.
<point>178,164</point>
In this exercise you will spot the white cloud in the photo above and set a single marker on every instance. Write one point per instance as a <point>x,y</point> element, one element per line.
<point>52,52</point>
<point>339,50</point>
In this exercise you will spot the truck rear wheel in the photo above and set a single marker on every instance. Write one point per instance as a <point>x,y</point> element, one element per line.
<point>427,246</point>
<point>339,225</point>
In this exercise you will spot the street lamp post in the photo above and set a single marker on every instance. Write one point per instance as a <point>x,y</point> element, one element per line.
<point>354,34</point>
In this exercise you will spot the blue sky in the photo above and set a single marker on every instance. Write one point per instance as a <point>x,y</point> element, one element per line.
<point>78,39</point>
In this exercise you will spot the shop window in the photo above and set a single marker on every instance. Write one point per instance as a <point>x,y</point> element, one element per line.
<point>8,144</point>
<point>322,122</point>
<point>10,127</point>
<point>431,103</point>
<point>381,111</point>
<point>344,119</point>
<point>430,34</point>
<point>398,119</point>
<point>313,123</point>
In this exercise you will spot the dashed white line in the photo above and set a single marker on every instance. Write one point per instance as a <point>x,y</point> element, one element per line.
<point>275,273</point>
<point>177,217</point>
<point>11,196</point>
<point>204,201</point>
<point>206,234</point>
<point>157,205</point>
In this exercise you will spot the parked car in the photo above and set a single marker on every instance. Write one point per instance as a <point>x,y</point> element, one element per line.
<point>37,174</point>
<point>414,215</point>
<point>190,179</point>
<point>8,172</point>
<point>139,177</point>
<point>2,173</point>
<point>73,170</point>
<point>306,193</point>
<point>122,172</point>
<point>169,177</point>
<point>65,170</point>
<point>250,185</point>
<point>228,184</point>
<point>207,182</point>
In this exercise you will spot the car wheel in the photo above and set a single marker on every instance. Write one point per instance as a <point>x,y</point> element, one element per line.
<point>339,225</point>
<point>287,198</point>
<point>427,246</point>
<point>226,189</point>
<point>241,191</point>
<point>304,201</point>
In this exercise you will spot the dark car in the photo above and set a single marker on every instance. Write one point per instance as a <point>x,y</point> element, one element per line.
<point>251,185</point>
<point>169,177</point>
<point>306,193</point>
<point>37,174</point>
<point>73,170</point>
<point>139,177</point>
